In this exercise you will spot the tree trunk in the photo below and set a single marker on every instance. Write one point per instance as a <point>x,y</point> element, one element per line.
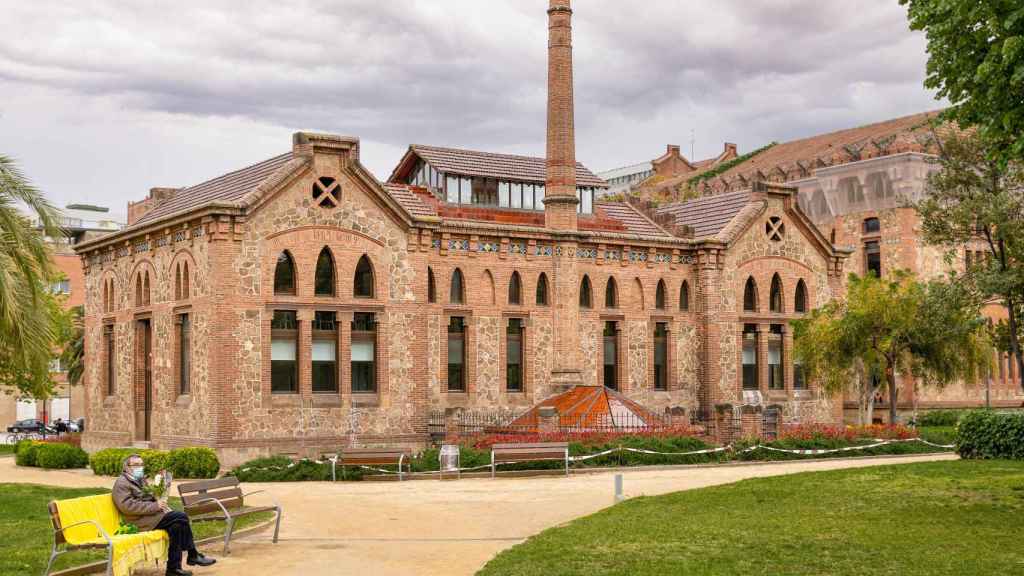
<point>890,376</point>
<point>1015,353</point>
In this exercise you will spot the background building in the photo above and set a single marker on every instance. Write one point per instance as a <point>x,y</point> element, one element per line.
<point>80,222</point>
<point>854,184</point>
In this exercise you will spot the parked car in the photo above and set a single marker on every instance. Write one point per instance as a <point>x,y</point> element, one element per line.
<point>29,425</point>
<point>73,427</point>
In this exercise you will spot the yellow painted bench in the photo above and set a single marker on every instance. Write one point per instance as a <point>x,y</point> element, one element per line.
<point>91,522</point>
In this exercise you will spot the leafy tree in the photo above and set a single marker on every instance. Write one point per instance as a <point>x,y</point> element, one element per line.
<point>74,347</point>
<point>976,61</point>
<point>894,326</point>
<point>975,201</point>
<point>30,315</point>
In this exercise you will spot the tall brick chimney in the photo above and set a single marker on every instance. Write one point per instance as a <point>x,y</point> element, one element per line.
<point>560,202</point>
<point>560,180</point>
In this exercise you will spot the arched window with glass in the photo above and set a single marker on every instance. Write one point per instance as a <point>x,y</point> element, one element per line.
<point>750,295</point>
<point>659,295</point>
<point>456,292</point>
<point>284,274</point>
<point>611,296</point>
<point>363,282</point>
<point>775,295</point>
<point>542,289</point>
<point>684,296</point>
<point>586,293</point>
<point>324,278</point>
<point>515,289</point>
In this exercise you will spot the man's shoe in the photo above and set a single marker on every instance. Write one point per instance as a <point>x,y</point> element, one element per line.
<point>178,572</point>
<point>201,560</point>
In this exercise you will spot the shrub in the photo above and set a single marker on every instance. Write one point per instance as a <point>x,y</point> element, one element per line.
<point>58,455</point>
<point>26,452</point>
<point>939,418</point>
<point>182,462</point>
<point>109,461</point>
<point>198,462</point>
<point>986,434</point>
<point>281,469</point>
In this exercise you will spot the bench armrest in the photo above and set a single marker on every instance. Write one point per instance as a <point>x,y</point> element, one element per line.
<point>94,523</point>
<point>215,501</point>
<point>272,499</point>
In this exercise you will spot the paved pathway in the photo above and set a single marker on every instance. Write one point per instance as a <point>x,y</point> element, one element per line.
<point>432,527</point>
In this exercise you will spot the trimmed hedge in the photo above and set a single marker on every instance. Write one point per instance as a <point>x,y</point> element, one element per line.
<point>281,469</point>
<point>50,455</point>
<point>940,418</point>
<point>986,434</point>
<point>54,455</point>
<point>196,462</point>
<point>26,452</point>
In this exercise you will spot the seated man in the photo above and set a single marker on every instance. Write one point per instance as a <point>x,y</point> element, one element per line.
<point>145,512</point>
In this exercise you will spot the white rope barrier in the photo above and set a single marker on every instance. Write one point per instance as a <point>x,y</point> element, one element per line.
<point>802,452</point>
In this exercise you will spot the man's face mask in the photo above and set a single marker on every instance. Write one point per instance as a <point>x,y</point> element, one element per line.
<point>138,472</point>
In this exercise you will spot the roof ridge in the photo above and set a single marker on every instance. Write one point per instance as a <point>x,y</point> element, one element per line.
<point>505,154</point>
<point>860,126</point>
<point>239,170</point>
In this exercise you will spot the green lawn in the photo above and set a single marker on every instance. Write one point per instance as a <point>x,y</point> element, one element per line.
<point>927,519</point>
<point>26,535</point>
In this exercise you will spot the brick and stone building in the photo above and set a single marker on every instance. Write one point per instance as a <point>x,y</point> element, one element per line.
<point>299,304</point>
<point>855,185</point>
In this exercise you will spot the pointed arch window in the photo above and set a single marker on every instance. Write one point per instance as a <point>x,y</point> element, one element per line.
<point>684,296</point>
<point>586,294</point>
<point>659,295</point>
<point>800,300</point>
<point>775,295</point>
<point>323,281</point>
<point>611,296</point>
<point>177,282</point>
<point>515,289</point>
<point>542,289</point>
<point>364,278</point>
<point>186,281</point>
<point>284,274</point>
<point>145,289</point>
<point>431,286</point>
<point>750,296</point>
<point>456,292</point>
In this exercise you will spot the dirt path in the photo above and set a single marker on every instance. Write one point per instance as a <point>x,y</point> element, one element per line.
<point>433,527</point>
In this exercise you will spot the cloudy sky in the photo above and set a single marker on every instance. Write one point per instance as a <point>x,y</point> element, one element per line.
<point>102,100</point>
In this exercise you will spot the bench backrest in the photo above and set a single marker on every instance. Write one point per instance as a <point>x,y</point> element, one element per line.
<point>98,508</point>
<point>226,490</point>
<point>529,451</point>
<point>531,446</point>
<point>375,456</point>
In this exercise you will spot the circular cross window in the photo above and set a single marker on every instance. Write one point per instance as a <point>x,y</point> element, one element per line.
<point>775,228</point>
<point>326,192</point>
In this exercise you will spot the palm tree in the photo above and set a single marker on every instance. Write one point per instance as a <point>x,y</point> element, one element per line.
<point>28,312</point>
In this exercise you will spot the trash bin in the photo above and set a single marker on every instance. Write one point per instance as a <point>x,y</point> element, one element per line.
<point>449,460</point>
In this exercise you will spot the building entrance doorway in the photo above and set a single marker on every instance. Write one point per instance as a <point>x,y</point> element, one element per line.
<point>611,355</point>
<point>143,379</point>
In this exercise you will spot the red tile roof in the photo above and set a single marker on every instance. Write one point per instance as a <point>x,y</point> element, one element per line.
<point>799,158</point>
<point>632,219</point>
<point>230,187</point>
<point>707,216</point>
<point>490,165</point>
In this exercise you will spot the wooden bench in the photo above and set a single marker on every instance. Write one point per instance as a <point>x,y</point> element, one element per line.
<point>529,452</point>
<point>222,499</point>
<point>93,524</point>
<point>376,457</point>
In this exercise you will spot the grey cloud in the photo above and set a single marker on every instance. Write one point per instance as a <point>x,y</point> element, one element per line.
<point>463,72</point>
